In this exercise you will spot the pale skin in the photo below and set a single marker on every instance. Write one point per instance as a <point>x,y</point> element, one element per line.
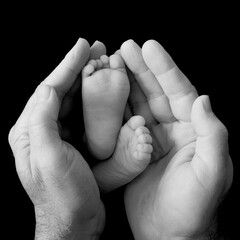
<point>71,209</point>
<point>177,195</point>
<point>54,174</point>
<point>105,89</point>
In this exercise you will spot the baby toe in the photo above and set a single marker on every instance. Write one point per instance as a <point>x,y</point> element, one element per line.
<point>88,70</point>
<point>105,61</point>
<point>141,130</point>
<point>143,157</point>
<point>144,148</point>
<point>116,62</point>
<point>93,62</point>
<point>99,64</point>
<point>144,138</point>
<point>136,122</point>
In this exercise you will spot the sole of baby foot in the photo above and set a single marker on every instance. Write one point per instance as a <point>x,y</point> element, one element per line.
<point>105,89</point>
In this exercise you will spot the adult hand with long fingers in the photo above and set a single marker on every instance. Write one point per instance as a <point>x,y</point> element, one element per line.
<point>191,170</point>
<point>54,174</point>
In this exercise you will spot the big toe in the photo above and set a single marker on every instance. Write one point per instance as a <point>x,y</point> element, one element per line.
<point>136,122</point>
<point>116,62</point>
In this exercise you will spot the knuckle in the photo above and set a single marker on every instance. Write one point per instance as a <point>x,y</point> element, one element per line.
<point>18,140</point>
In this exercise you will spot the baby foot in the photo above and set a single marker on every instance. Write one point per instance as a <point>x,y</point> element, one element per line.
<point>131,156</point>
<point>105,89</point>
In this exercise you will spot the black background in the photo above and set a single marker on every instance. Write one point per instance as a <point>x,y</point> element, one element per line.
<point>202,43</point>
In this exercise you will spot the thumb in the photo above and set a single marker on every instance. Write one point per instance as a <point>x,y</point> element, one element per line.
<point>212,136</point>
<point>42,126</point>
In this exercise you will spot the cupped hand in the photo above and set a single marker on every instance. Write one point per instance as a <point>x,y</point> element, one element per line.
<point>177,195</point>
<point>54,174</point>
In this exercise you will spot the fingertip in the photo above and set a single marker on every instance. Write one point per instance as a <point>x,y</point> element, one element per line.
<point>97,42</point>
<point>201,106</point>
<point>76,58</point>
<point>80,51</point>
<point>82,42</point>
<point>132,55</point>
<point>97,50</point>
<point>118,52</point>
<point>156,57</point>
<point>127,44</point>
<point>204,120</point>
<point>151,43</point>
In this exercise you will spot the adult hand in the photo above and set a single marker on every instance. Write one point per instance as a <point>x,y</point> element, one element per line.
<point>177,196</point>
<point>54,174</point>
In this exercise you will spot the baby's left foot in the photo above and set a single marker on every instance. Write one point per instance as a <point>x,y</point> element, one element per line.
<point>131,156</point>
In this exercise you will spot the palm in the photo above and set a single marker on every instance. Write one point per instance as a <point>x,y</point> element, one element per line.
<point>160,192</point>
<point>171,137</point>
<point>79,183</point>
<point>180,188</point>
<point>61,171</point>
<point>75,177</point>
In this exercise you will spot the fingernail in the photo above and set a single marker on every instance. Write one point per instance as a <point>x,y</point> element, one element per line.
<point>207,105</point>
<point>43,92</point>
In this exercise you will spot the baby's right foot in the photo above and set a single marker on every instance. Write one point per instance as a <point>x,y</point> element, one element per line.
<point>131,156</point>
<point>105,89</point>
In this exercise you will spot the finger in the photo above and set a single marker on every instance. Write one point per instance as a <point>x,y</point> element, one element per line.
<point>211,152</point>
<point>61,79</point>
<point>128,112</point>
<point>158,102</point>
<point>138,102</point>
<point>67,102</point>
<point>118,52</point>
<point>174,83</point>
<point>64,75</point>
<point>42,125</point>
<point>97,50</point>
